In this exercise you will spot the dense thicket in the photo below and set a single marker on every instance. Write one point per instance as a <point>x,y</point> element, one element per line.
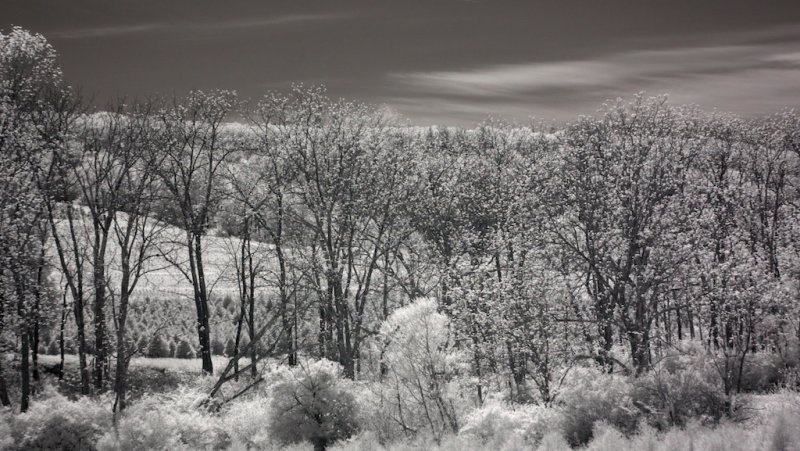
<point>608,242</point>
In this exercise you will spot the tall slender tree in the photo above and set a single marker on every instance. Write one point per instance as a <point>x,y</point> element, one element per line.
<point>195,150</point>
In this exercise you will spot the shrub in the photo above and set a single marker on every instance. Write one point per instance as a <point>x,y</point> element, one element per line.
<point>421,368</point>
<point>496,422</point>
<point>312,406</point>
<point>590,396</point>
<point>217,347</point>
<point>784,433</point>
<point>167,422</point>
<point>184,350</point>
<point>606,437</point>
<point>54,422</point>
<point>141,344</point>
<point>679,388</point>
<point>70,346</point>
<point>152,431</point>
<point>764,371</point>
<point>245,420</point>
<point>229,347</point>
<point>6,434</point>
<point>365,441</point>
<point>553,441</point>
<point>228,304</point>
<point>53,348</point>
<point>157,348</point>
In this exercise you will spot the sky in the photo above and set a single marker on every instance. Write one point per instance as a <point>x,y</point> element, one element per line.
<point>448,62</point>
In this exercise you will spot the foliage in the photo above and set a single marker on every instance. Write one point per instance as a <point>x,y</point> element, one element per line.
<point>419,368</point>
<point>165,422</point>
<point>217,347</point>
<point>184,350</point>
<point>158,347</point>
<point>55,422</point>
<point>682,388</point>
<point>311,406</point>
<point>591,396</point>
<point>496,420</point>
<point>247,422</point>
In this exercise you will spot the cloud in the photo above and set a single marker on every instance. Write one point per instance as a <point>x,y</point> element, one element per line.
<point>269,21</point>
<point>100,32</point>
<point>746,78</point>
<point>144,28</point>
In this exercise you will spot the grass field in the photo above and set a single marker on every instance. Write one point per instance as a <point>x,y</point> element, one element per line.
<point>164,280</point>
<point>168,364</point>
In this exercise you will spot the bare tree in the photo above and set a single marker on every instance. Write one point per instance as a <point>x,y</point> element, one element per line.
<point>195,150</point>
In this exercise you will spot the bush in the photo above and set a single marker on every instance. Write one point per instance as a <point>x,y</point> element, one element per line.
<point>53,348</point>
<point>229,347</point>
<point>157,348</point>
<point>422,368</point>
<point>184,350</point>
<point>312,406</point>
<point>217,347</point>
<point>680,388</point>
<point>6,434</point>
<point>141,344</point>
<point>764,371</point>
<point>553,441</point>
<point>245,420</point>
<point>496,422</point>
<point>54,422</point>
<point>152,431</point>
<point>590,396</point>
<point>784,433</point>
<point>167,422</point>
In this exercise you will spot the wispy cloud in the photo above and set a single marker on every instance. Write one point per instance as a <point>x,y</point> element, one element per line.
<point>144,28</point>
<point>100,32</point>
<point>269,21</point>
<point>749,78</point>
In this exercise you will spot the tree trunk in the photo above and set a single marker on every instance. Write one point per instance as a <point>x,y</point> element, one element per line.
<point>237,340</point>
<point>252,317</point>
<point>194,243</point>
<point>61,334</point>
<point>83,367</point>
<point>4,399</point>
<point>121,374</point>
<point>99,308</point>
<point>25,375</point>
<point>286,320</point>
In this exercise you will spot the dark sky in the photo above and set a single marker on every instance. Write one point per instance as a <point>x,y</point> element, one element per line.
<point>434,61</point>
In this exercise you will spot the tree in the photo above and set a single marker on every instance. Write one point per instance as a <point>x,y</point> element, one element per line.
<point>349,186</point>
<point>618,213</point>
<point>313,408</point>
<point>184,350</point>
<point>35,112</point>
<point>195,149</point>
<point>420,359</point>
<point>132,141</point>
<point>157,348</point>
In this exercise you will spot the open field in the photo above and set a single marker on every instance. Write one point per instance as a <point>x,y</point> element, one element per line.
<point>191,366</point>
